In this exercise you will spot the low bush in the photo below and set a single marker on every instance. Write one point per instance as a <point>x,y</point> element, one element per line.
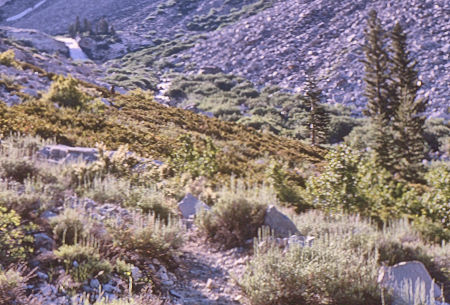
<point>236,216</point>
<point>328,272</point>
<point>15,242</point>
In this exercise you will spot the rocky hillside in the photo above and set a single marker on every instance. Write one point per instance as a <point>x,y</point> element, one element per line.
<point>266,42</point>
<point>279,45</point>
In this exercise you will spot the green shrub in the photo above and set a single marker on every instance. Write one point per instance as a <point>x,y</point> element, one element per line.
<point>150,200</point>
<point>15,243</point>
<point>328,272</point>
<point>236,216</point>
<point>88,262</point>
<point>195,160</point>
<point>286,190</point>
<point>65,92</point>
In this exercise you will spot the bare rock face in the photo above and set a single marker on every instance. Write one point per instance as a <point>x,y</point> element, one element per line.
<point>190,206</point>
<point>281,225</point>
<point>409,281</point>
<point>35,39</point>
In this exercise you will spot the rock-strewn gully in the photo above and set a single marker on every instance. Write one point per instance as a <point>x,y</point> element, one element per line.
<point>205,275</point>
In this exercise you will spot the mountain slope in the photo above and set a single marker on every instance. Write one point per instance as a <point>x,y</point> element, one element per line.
<point>280,44</point>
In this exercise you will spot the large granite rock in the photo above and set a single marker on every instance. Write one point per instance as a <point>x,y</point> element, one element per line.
<point>280,224</point>
<point>190,206</point>
<point>63,153</point>
<point>409,281</point>
<point>38,40</point>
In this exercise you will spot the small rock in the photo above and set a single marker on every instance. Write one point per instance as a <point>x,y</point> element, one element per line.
<point>94,283</point>
<point>42,276</point>
<point>48,215</point>
<point>42,240</point>
<point>136,273</point>
<point>209,284</point>
<point>108,288</point>
<point>175,294</point>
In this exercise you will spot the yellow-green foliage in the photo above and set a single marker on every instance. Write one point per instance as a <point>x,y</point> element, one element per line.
<point>15,244</point>
<point>70,226</point>
<point>352,182</point>
<point>65,92</point>
<point>237,214</point>
<point>8,58</point>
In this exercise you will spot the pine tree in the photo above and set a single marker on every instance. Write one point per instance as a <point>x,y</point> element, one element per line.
<point>77,25</point>
<point>319,119</point>
<point>379,104</point>
<point>408,120</point>
<point>87,28</point>
<point>103,27</point>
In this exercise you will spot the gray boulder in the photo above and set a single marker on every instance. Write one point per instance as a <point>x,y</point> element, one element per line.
<point>190,206</point>
<point>63,153</point>
<point>280,224</point>
<point>43,241</point>
<point>409,281</point>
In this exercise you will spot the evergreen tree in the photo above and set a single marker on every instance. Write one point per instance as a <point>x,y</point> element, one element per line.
<point>408,120</point>
<point>87,28</point>
<point>72,31</point>
<point>103,27</point>
<point>379,104</point>
<point>319,119</point>
<point>77,25</point>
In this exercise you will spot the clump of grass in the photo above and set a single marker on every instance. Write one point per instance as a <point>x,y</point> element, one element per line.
<point>237,214</point>
<point>151,200</point>
<point>70,226</point>
<point>147,235</point>
<point>13,285</point>
<point>83,262</point>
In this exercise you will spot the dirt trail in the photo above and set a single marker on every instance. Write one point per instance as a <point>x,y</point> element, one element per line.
<point>205,276</point>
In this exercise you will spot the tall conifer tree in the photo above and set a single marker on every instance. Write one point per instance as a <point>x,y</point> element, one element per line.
<point>378,91</point>
<point>408,119</point>
<point>319,119</point>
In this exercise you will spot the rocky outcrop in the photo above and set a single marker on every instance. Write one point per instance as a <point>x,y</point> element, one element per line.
<point>409,281</point>
<point>35,39</point>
